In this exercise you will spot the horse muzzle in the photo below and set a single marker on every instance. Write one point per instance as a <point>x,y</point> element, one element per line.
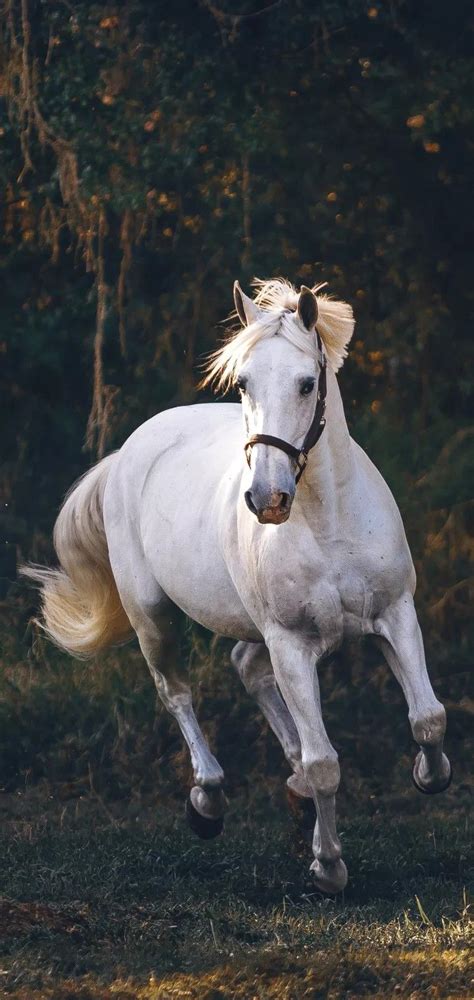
<point>272,509</point>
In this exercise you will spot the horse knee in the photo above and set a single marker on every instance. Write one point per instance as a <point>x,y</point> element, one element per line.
<point>323,774</point>
<point>429,727</point>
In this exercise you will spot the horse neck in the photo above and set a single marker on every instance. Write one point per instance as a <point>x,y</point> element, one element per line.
<point>329,473</point>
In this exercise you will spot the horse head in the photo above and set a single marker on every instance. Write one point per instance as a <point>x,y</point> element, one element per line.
<point>278,381</point>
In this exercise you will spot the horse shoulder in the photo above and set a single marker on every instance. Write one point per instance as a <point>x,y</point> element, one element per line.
<point>379,528</point>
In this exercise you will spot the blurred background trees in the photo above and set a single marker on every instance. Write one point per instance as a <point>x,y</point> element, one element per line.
<point>149,155</point>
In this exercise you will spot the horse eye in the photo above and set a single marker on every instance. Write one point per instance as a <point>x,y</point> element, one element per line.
<point>307,386</point>
<point>241,384</point>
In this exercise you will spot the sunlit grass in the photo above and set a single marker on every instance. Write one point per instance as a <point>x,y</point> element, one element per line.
<point>105,895</point>
<point>339,975</point>
<point>94,907</point>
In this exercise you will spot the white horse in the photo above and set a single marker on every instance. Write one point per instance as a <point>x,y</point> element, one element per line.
<point>179,521</point>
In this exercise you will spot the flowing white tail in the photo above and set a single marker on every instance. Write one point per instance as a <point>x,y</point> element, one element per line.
<point>81,608</point>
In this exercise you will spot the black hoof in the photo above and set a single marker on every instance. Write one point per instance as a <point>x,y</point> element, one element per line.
<point>202,826</point>
<point>436,790</point>
<point>303,812</point>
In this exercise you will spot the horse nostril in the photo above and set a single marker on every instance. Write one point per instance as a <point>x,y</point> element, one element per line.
<point>250,504</point>
<point>284,501</point>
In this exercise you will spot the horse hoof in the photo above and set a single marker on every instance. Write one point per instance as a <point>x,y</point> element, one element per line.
<point>330,878</point>
<point>433,788</point>
<point>303,812</point>
<point>203,826</point>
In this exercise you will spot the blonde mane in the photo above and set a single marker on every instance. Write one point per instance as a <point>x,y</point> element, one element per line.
<point>278,300</point>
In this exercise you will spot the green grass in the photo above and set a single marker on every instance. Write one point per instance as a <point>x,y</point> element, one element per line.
<point>103,901</point>
<point>106,895</point>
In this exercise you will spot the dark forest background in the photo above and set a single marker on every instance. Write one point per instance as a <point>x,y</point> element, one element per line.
<point>149,155</point>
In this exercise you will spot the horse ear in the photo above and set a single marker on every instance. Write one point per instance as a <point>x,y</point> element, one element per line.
<point>246,308</point>
<point>307,308</point>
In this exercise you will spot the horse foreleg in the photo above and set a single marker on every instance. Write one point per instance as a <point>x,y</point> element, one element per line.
<point>294,664</point>
<point>158,643</point>
<point>252,662</point>
<point>399,636</point>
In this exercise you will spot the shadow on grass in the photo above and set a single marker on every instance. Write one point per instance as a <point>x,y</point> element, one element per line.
<point>94,905</point>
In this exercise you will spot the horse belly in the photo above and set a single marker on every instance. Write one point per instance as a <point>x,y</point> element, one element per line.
<point>206,596</point>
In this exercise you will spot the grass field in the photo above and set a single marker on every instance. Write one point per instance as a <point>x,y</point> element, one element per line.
<point>106,895</point>
<point>100,900</point>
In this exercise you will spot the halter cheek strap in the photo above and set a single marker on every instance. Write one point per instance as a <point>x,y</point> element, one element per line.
<point>318,423</point>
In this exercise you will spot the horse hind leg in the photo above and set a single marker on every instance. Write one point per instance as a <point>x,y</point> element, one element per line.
<point>157,636</point>
<point>295,665</point>
<point>253,664</point>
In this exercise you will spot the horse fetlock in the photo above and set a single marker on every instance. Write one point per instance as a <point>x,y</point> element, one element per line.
<point>429,727</point>
<point>208,774</point>
<point>323,774</point>
<point>330,853</point>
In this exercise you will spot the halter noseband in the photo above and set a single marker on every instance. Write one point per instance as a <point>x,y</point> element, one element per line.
<point>318,423</point>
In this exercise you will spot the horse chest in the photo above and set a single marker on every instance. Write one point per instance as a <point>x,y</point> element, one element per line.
<point>326,591</point>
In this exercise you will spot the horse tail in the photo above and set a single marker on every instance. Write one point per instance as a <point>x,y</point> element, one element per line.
<point>81,608</point>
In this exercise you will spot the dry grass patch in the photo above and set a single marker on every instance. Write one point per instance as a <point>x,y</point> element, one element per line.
<point>337,975</point>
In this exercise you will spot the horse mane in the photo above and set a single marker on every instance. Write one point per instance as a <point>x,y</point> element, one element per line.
<point>278,300</point>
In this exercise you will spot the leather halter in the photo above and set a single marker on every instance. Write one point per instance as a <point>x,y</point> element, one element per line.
<point>318,423</point>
